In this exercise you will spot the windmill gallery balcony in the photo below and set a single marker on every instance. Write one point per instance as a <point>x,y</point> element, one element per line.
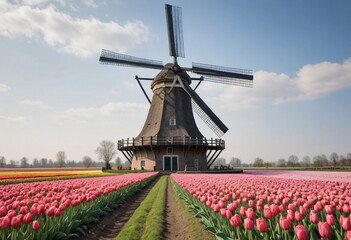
<point>209,144</point>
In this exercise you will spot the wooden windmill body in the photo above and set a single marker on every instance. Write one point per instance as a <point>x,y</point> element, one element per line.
<point>170,139</point>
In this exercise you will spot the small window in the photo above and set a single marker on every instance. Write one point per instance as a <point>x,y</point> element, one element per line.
<point>196,163</point>
<point>142,163</point>
<point>172,122</point>
<point>169,150</point>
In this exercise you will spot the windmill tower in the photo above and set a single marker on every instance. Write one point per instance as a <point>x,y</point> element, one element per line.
<point>170,139</point>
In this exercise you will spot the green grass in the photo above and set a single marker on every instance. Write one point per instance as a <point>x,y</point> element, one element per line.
<point>195,229</point>
<point>148,220</point>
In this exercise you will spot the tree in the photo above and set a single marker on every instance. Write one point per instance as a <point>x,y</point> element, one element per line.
<point>24,162</point>
<point>334,158</point>
<point>235,162</point>
<point>87,161</point>
<point>61,158</point>
<point>43,162</point>
<point>2,161</point>
<point>258,162</point>
<point>51,163</point>
<point>317,161</point>
<point>306,161</point>
<point>282,162</point>
<point>118,162</point>
<point>35,162</point>
<point>293,161</point>
<point>219,162</point>
<point>12,163</point>
<point>106,151</point>
<point>126,163</point>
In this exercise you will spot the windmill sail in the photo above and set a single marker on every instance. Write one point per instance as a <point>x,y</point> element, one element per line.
<point>109,57</point>
<point>175,31</point>
<point>205,113</point>
<point>224,75</point>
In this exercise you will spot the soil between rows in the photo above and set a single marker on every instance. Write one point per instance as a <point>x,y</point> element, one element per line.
<point>109,226</point>
<point>175,222</point>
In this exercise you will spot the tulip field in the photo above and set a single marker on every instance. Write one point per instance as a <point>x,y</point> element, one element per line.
<point>59,209</point>
<point>266,205</point>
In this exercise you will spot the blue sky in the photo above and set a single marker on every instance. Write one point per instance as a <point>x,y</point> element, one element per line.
<point>54,95</point>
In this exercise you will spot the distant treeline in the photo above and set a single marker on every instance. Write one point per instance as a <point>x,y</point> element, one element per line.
<point>334,160</point>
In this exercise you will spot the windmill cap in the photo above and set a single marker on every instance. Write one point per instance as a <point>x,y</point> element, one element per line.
<point>166,76</point>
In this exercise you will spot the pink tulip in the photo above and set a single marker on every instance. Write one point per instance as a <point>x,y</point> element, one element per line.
<point>268,213</point>
<point>249,224</point>
<point>330,219</point>
<point>314,217</point>
<point>261,225</point>
<point>284,223</point>
<point>345,223</point>
<point>235,221</point>
<point>301,232</point>
<point>329,209</point>
<point>324,229</point>
<point>223,212</point>
<point>228,214</point>
<point>298,216</point>
<point>36,225</point>
<point>290,216</point>
<point>24,210</point>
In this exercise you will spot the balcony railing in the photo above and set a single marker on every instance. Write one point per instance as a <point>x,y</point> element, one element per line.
<point>175,141</point>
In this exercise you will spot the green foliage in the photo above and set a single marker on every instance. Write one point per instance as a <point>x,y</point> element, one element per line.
<point>194,226</point>
<point>147,221</point>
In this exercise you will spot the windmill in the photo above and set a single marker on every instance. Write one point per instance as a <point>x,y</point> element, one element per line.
<point>170,139</point>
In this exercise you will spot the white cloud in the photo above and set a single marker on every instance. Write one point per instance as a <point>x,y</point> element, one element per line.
<point>4,87</point>
<point>105,110</point>
<point>80,112</point>
<point>39,104</point>
<point>310,82</point>
<point>13,119</point>
<point>122,108</point>
<point>81,37</point>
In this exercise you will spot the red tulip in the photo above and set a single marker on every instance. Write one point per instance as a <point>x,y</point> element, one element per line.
<point>284,223</point>
<point>5,223</point>
<point>3,211</point>
<point>11,213</point>
<point>24,210</point>
<point>275,210</point>
<point>16,222</point>
<point>36,225</point>
<point>301,232</point>
<point>28,218</point>
<point>330,219</point>
<point>57,212</point>
<point>251,204</point>
<point>314,217</point>
<point>249,223</point>
<point>235,221</point>
<point>261,225</point>
<point>324,229</point>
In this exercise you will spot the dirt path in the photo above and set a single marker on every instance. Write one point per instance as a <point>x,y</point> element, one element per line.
<point>175,220</point>
<point>111,224</point>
